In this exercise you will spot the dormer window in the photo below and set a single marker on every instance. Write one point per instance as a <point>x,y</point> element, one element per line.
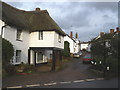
<point>19,35</point>
<point>59,38</point>
<point>40,35</point>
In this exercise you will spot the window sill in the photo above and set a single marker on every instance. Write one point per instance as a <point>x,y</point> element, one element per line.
<point>59,41</point>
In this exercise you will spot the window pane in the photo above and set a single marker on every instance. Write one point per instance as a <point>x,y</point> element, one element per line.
<point>59,38</point>
<point>40,56</point>
<point>18,55</point>
<point>40,35</point>
<point>19,32</point>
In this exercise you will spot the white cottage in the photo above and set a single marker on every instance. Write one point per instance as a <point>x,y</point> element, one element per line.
<point>35,36</point>
<point>71,43</point>
<point>74,43</point>
<point>84,45</point>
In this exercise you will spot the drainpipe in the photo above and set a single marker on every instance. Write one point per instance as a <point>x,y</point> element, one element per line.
<point>2,29</point>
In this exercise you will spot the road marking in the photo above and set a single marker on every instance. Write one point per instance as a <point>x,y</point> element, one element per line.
<point>50,84</point>
<point>15,87</point>
<point>47,84</point>
<point>99,78</point>
<point>78,81</point>
<point>65,82</point>
<point>89,79</point>
<point>33,85</point>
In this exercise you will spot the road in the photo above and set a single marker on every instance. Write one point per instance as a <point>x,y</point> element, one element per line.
<point>75,74</point>
<point>113,83</point>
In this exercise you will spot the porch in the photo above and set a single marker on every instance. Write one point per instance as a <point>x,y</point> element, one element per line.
<point>38,55</point>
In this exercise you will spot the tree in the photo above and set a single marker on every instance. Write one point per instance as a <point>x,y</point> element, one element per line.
<point>105,49</point>
<point>66,51</point>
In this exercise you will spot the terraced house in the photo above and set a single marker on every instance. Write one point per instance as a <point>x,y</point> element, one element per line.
<point>35,36</point>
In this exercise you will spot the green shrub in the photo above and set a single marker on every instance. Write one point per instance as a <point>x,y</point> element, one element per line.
<point>7,54</point>
<point>7,51</point>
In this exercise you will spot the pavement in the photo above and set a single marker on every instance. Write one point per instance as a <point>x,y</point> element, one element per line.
<point>74,71</point>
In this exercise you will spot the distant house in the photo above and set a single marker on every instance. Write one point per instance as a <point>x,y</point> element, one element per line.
<point>74,43</point>
<point>84,45</point>
<point>71,44</point>
<point>35,36</point>
<point>105,39</point>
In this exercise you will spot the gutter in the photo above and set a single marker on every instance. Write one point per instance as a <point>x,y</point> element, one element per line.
<point>2,29</point>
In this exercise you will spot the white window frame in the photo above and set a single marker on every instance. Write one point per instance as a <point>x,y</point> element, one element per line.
<point>18,56</point>
<point>59,38</point>
<point>40,35</point>
<point>19,35</point>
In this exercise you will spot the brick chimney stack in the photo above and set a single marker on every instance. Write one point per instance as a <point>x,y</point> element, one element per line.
<point>76,35</point>
<point>102,33</point>
<point>37,9</point>
<point>111,31</point>
<point>71,34</point>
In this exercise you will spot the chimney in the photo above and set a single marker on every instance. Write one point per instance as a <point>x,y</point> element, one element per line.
<point>117,29</point>
<point>111,31</point>
<point>37,9</point>
<point>102,33</point>
<point>76,35</point>
<point>71,34</point>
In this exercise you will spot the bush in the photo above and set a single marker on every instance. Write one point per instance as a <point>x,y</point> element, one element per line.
<point>7,51</point>
<point>25,68</point>
<point>7,54</point>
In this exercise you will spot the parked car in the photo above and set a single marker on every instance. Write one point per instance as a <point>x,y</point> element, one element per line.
<point>87,58</point>
<point>80,53</point>
<point>76,55</point>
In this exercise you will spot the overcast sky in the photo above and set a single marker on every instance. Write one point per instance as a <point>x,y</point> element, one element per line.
<point>88,19</point>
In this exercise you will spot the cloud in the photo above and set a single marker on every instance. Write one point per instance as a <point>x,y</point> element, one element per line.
<point>88,19</point>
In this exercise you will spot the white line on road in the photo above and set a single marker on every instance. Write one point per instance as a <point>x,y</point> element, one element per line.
<point>99,78</point>
<point>47,84</point>
<point>50,84</point>
<point>15,87</point>
<point>78,81</point>
<point>89,79</point>
<point>65,82</point>
<point>34,85</point>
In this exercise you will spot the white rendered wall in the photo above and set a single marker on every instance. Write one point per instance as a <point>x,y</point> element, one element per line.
<point>50,39</point>
<point>84,46</point>
<point>10,35</point>
<point>56,42</point>
<point>71,42</point>
<point>77,46</point>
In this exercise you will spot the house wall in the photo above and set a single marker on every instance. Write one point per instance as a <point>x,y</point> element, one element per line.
<point>50,39</point>
<point>71,42</point>
<point>10,34</point>
<point>56,42</point>
<point>77,46</point>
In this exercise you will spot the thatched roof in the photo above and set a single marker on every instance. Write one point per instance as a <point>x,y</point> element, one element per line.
<point>29,20</point>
